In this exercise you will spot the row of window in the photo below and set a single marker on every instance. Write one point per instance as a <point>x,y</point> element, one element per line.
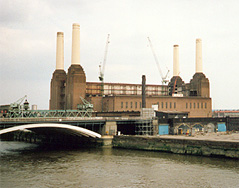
<point>196,105</point>
<point>188,105</point>
<point>165,105</point>
<point>130,105</point>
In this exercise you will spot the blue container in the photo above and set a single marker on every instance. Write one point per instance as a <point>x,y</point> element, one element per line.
<point>221,127</point>
<point>163,129</point>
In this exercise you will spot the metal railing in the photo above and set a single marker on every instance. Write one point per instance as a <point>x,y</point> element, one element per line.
<point>48,113</point>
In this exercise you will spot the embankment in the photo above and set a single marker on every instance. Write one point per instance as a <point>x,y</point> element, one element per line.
<point>180,145</point>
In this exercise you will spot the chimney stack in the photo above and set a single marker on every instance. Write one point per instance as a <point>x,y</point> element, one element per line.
<point>60,51</point>
<point>75,56</point>
<point>175,60</point>
<point>143,91</point>
<point>198,56</point>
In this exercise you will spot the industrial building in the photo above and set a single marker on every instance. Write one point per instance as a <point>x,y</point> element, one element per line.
<point>68,89</point>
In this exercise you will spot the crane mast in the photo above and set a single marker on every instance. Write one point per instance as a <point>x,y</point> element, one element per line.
<point>164,78</point>
<point>102,68</point>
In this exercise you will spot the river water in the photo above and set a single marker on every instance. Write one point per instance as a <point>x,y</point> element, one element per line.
<point>26,165</point>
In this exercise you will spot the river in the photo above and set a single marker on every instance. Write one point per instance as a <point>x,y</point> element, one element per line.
<point>26,165</point>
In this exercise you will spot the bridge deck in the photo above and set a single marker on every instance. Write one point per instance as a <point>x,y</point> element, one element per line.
<point>9,122</point>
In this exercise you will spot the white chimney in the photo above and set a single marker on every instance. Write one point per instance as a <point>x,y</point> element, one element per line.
<point>60,51</point>
<point>175,60</point>
<point>198,55</point>
<point>75,56</point>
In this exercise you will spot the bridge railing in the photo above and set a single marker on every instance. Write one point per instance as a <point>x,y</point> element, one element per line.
<point>48,113</point>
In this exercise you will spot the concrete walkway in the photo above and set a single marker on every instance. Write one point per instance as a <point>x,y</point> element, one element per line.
<point>222,137</point>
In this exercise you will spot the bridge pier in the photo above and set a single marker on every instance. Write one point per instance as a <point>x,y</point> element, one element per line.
<point>107,134</point>
<point>110,128</point>
<point>105,141</point>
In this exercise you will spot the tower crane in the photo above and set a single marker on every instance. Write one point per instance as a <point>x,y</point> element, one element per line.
<point>164,78</point>
<point>102,68</point>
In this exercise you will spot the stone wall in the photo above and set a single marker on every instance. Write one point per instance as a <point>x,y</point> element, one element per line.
<point>179,146</point>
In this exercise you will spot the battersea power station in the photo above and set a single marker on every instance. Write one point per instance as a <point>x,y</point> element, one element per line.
<point>69,88</point>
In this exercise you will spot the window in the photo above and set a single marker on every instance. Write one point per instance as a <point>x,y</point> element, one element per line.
<point>140,105</point>
<point>175,105</point>
<point>170,104</point>
<point>166,105</point>
<point>135,104</point>
<point>131,105</point>
<point>190,105</point>
<point>122,105</point>
<point>198,104</point>
<point>194,105</point>
<point>162,104</point>
<point>205,105</point>
<point>186,105</point>
<point>126,105</point>
<point>201,105</point>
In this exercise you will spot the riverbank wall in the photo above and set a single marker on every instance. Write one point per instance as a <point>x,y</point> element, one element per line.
<point>179,145</point>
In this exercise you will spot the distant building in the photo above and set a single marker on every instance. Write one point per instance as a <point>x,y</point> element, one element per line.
<point>191,98</point>
<point>225,113</point>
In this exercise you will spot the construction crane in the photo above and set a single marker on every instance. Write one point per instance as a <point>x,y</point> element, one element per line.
<point>17,105</point>
<point>102,68</point>
<point>164,78</point>
<point>85,106</point>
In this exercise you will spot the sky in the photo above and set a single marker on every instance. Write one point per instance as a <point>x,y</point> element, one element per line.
<point>28,30</point>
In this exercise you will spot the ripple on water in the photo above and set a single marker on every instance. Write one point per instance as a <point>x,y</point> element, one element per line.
<point>111,168</point>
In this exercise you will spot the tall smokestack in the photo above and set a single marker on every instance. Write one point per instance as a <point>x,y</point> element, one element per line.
<point>57,93</point>
<point>75,56</point>
<point>60,51</point>
<point>175,60</point>
<point>198,55</point>
<point>143,91</point>
<point>76,79</point>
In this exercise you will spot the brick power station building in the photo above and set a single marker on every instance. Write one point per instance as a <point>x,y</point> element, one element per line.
<point>66,88</point>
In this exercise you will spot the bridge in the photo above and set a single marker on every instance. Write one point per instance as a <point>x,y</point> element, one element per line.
<point>97,129</point>
<point>70,129</point>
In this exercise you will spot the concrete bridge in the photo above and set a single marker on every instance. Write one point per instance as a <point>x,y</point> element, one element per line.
<point>59,130</point>
<point>42,127</point>
<point>98,129</point>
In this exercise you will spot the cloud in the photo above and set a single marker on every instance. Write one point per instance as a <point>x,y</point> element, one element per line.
<point>14,12</point>
<point>28,41</point>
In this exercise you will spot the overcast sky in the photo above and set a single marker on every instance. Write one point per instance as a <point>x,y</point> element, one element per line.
<point>28,31</point>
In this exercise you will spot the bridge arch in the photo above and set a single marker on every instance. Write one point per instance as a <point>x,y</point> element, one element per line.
<point>76,130</point>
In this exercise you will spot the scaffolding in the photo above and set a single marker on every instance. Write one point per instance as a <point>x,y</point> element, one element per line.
<point>94,88</point>
<point>144,127</point>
